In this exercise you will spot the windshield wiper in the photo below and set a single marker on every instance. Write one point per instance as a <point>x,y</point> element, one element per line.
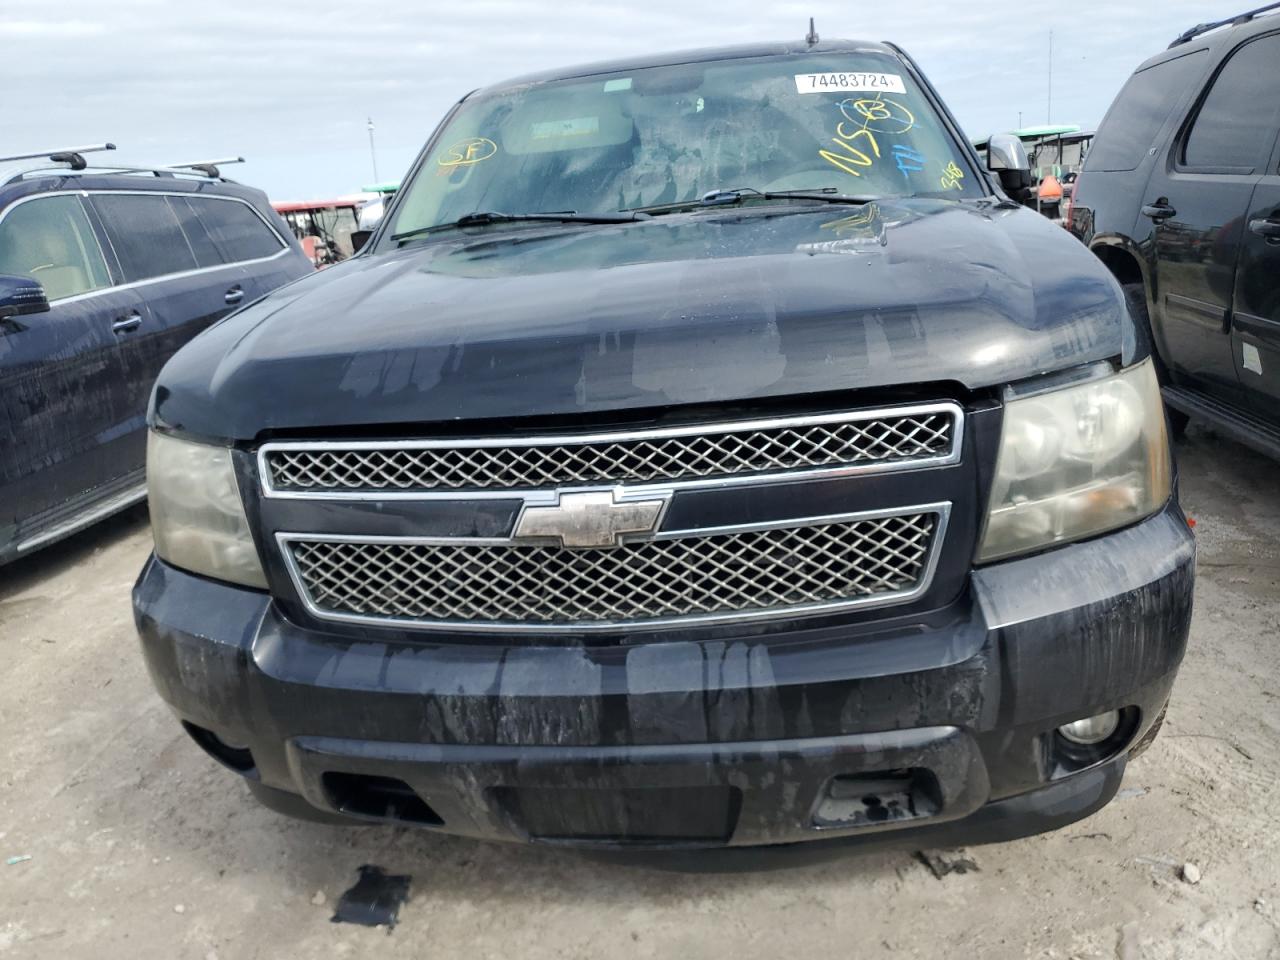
<point>719,198</point>
<point>483,218</point>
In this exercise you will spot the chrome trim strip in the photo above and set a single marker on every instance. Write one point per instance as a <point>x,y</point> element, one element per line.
<point>548,495</point>
<point>82,193</point>
<point>941,509</point>
<point>168,276</point>
<point>120,501</point>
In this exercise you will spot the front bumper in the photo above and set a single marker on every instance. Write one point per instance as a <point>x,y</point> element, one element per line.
<point>933,726</point>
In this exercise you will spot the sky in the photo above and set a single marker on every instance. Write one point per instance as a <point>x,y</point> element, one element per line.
<point>290,85</point>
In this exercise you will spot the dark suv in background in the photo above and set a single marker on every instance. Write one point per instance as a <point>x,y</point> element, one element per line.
<point>1180,198</point>
<point>104,274</point>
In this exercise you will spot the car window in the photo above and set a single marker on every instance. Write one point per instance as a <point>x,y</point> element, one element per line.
<point>1237,122</point>
<point>1138,113</point>
<point>50,240</point>
<point>197,234</point>
<point>145,233</point>
<point>856,122</point>
<point>240,234</point>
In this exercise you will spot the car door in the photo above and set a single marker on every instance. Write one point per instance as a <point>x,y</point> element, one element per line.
<point>244,236</point>
<point>65,412</point>
<point>1196,201</point>
<point>1256,309</point>
<point>167,256</point>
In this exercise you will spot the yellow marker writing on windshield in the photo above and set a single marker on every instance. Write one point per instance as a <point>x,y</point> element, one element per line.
<point>881,114</point>
<point>850,156</point>
<point>472,150</point>
<point>952,176</point>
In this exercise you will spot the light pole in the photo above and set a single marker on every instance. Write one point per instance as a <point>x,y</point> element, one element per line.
<point>373,153</point>
<point>1049,96</point>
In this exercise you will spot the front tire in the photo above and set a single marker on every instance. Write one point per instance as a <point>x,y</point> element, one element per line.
<point>1141,746</point>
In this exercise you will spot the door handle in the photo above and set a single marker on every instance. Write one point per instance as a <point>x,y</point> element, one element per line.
<point>126,323</point>
<point>234,295</point>
<point>1160,210</point>
<point>1266,228</point>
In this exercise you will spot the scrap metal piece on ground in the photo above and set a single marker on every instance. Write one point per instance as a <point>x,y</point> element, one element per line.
<point>375,900</point>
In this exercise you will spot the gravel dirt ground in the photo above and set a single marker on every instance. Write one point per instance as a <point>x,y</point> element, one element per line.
<point>141,847</point>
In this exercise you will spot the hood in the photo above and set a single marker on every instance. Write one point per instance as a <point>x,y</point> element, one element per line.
<point>702,307</point>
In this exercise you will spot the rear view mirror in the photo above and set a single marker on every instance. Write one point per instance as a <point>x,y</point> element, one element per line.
<point>1007,158</point>
<point>666,82</point>
<point>20,296</point>
<point>1006,152</point>
<point>359,238</point>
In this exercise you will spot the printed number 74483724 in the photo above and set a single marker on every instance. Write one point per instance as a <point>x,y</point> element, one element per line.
<point>857,82</point>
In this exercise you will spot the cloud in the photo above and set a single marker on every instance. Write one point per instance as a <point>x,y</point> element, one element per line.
<point>50,28</point>
<point>289,84</point>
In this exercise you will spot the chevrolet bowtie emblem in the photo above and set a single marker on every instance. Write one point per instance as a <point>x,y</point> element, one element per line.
<point>589,519</point>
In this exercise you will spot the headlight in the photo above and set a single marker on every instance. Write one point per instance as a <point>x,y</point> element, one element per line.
<point>197,517</point>
<point>1078,461</point>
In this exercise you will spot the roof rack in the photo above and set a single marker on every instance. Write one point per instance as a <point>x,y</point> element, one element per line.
<point>1200,28</point>
<point>208,167</point>
<point>72,156</point>
<point>72,159</point>
<point>201,171</point>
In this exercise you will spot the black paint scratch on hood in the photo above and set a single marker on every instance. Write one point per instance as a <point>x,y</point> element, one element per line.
<point>695,308</point>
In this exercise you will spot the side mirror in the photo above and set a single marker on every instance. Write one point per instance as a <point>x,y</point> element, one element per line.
<point>359,238</point>
<point>1007,158</point>
<point>21,296</point>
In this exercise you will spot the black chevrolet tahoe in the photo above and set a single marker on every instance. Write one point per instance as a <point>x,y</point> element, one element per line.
<point>704,451</point>
<point>1180,198</point>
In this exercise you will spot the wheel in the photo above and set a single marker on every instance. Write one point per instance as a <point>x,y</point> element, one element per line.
<point>1177,421</point>
<point>1140,747</point>
<point>1135,295</point>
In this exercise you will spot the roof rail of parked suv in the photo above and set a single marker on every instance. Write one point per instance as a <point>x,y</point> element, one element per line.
<point>58,167</point>
<point>1200,28</point>
<point>74,156</point>
<point>208,168</point>
<point>71,159</point>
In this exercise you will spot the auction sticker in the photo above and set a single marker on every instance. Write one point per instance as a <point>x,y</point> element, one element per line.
<point>857,82</point>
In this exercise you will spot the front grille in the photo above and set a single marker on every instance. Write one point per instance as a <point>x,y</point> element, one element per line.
<point>891,438</point>
<point>825,563</point>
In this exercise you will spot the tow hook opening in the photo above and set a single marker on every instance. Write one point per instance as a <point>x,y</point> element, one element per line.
<point>865,799</point>
<point>1091,740</point>
<point>384,798</point>
<point>239,759</point>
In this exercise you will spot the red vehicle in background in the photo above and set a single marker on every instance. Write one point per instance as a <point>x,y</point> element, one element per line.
<point>323,227</point>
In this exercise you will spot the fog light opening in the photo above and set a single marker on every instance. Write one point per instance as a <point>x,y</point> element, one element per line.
<point>383,798</point>
<point>1091,740</point>
<point>1091,730</point>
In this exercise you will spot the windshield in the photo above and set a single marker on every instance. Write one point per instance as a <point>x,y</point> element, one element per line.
<point>856,122</point>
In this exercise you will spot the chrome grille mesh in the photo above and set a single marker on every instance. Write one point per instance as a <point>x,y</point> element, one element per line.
<point>692,576</point>
<point>717,450</point>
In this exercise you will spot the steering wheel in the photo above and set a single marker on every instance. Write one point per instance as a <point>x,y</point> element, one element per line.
<point>804,168</point>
